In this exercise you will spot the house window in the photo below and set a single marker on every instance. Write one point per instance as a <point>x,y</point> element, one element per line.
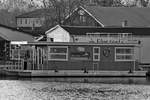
<point>124,54</point>
<point>82,19</point>
<point>96,53</point>
<point>37,21</point>
<point>41,22</point>
<point>26,21</point>
<point>58,53</point>
<point>20,21</point>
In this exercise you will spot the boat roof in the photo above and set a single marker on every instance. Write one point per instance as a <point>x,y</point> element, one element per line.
<point>43,43</point>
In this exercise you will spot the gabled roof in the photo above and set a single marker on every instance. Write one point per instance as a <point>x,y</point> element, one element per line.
<point>114,16</point>
<point>54,28</point>
<point>38,13</point>
<point>12,34</point>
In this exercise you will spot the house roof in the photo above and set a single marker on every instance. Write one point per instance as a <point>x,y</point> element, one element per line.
<point>12,34</point>
<point>114,16</point>
<point>82,30</point>
<point>38,13</point>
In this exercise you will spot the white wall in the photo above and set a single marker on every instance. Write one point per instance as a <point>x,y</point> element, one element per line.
<point>59,35</point>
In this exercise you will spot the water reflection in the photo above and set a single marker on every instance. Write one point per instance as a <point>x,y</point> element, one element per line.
<point>105,80</point>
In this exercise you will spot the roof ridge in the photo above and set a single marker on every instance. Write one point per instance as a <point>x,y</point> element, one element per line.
<point>115,7</point>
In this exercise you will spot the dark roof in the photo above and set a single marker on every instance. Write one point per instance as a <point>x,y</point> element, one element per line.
<point>19,30</point>
<point>79,30</point>
<point>114,16</point>
<point>38,13</point>
<point>12,34</point>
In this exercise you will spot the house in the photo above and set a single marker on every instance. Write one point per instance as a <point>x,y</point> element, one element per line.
<point>36,21</point>
<point>109,17</point>
<point>10,41</point>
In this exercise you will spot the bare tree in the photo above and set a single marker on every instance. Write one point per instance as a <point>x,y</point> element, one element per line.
<point>144,3</point>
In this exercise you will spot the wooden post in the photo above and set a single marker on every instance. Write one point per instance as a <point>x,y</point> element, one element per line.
<point>47,57</point>
<point>33,51</point>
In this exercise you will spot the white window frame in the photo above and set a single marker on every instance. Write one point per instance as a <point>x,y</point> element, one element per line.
<point>98,54</point>
<point>132,54</point>
<point>66,54</point>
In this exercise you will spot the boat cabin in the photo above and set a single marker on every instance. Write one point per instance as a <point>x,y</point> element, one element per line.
<point>80,56</point>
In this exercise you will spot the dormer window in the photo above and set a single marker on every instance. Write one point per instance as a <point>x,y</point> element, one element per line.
<point>82,16</point>
<point>82,19</point>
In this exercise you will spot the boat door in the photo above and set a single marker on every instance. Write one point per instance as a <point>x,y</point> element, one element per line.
<point>96,58</point>
<point>40,54</point>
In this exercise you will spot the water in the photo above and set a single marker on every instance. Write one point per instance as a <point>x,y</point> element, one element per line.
<point>74,88</point>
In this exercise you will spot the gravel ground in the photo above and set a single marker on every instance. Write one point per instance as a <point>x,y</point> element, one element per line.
<point>29,90</point>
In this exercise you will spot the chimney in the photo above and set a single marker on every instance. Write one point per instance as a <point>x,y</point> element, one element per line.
<point>124,23</point>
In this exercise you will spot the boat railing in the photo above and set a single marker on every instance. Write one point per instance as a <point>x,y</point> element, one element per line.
<point>11,65</point>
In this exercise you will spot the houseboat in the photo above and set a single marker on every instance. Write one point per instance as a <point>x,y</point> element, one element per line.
<point>93,51</point>
<point>84,55</point>
<point>80,56</point>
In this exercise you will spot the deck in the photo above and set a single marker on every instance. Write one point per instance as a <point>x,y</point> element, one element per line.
<point>72,73</point>
<point>80,73</point>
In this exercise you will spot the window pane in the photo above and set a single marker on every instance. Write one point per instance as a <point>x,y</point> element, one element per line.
<point>56,56</point>
<point>128,51</point>
<point>124,50</point>
<point>95,56</point>
<point>118,50</point>
<point>124,57</point>
<point>96,50</point>
<point>128,57</point>
<point>58,50</point>
<point>120,57</point>
<point>26,21</point>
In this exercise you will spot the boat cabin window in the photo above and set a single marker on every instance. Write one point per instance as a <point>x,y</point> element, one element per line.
<point>96,53</point>
<point>59,53</point>
<point>124,54</point>
<point>80,53</point>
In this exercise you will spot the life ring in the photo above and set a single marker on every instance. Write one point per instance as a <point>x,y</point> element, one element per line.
<point>106,52</point>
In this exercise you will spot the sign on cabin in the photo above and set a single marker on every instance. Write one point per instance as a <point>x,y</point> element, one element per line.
<point>105,38</point>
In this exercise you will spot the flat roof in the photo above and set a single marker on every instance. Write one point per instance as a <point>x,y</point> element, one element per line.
<point>42,43</point>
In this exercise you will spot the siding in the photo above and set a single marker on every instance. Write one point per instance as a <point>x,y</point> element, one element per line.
<point>105,63</point>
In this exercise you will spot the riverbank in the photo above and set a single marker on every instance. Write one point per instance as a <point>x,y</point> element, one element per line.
<point>39,90</point>
<point>72,73</point>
